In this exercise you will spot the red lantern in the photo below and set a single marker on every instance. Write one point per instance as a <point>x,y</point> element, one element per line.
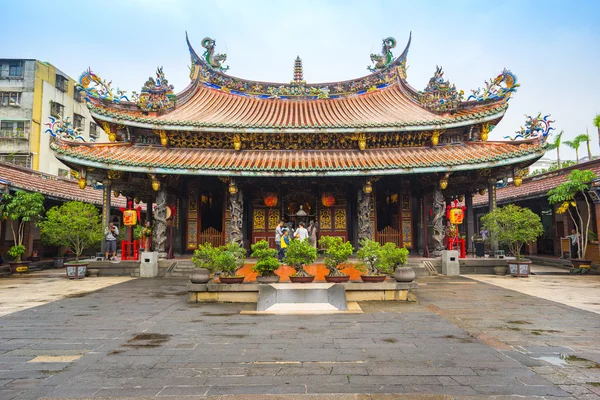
<point>456,216</point>
<point>130,217</point>
<point>271,199</point>
<point>327,199</point>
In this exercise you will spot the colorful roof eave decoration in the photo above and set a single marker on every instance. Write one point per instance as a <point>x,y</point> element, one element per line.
<point>157,123</point>
<point>302,169</point>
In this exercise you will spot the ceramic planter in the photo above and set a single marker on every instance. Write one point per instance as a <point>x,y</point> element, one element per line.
<point>404,274</point>
<point>500,270</point>
<point>59,262</point>
<point>373,278</point>
<point>231,279</point>
<point>19,267</point>
<point>337,279</point>
<point>93,272</point>
<point>76,270</point>
<point>519,268</point>
<point>268,279</point>
<point>201,275</point>
<point>302,279</point>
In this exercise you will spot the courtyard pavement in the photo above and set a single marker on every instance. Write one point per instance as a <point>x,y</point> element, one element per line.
<point>463,338</point>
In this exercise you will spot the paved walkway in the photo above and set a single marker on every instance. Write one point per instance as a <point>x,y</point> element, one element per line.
<point>141,339</point>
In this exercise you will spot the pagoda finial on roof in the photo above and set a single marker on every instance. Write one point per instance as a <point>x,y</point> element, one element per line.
<point>298,72</point>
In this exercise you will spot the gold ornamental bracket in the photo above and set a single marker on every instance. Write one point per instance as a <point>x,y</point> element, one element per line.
<point>435,136</point>
<point>486,128</point>
<point>112,135</point>
<point>237,142</point>
<point>361,139</point>
<point>164,138</point>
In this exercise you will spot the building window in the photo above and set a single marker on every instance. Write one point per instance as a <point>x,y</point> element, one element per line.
<point>13,130</point>
<point>77,95</point>
<point>93,130</point>
<point>15,69</point>
<point>78,121</point>
<point>57,110</point>
<point>10,99</point>
<point>62,83</point>
<point>22,160</point>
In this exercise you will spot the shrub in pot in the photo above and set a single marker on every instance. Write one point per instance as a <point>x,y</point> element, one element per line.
<point>373,267</point>
<point>514,226</point>
<point>300,253</point>
<point>225,259</point>
<point>203,260</point>
<point>564,195</point>
<point>20,208</point>
<point>335,256</point>
<point>394,259</point>
<point>76,226</point>
<point>266,263</point>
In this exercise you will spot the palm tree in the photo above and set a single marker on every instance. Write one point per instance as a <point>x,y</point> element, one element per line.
<point>556,146</point>
<point>584,137</point>
<point>574,144</point>
<point>597,123</point>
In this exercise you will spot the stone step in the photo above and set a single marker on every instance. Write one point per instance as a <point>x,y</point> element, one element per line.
<point>301,297</point>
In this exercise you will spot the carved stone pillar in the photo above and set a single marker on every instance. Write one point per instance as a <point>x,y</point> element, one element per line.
<point>236,210</point>
<point>439,208</point>
<point>492,205</point>
<point>365,227</point>
<point>160,223</point>
<point>470,221</point>
<point>106,197</point>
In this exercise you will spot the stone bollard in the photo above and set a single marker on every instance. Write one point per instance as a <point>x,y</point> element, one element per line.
<point>149,264</point>
<point>450,264</point>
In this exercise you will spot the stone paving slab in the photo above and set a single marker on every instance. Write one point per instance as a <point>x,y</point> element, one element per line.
<point>140,339</point>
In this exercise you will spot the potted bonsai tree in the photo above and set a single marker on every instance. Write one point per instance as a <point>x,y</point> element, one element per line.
<point>20,209</point>
<point>564,195</point>
<point>229,260</point>
<point>76,226</point>
<point>373,266</point>
<point>514,226</point>
<point>394,258</point>
<point>204,259</point>
<point>266,263</point>
<point>335,256</point>
<point>299,254</point>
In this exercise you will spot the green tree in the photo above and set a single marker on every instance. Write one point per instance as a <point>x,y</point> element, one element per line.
<point>574,144</point>
<point>75,225</point>
<point>584,137</point>
<point>266,263</point>
<point>21,208</point>
<point>597,123</point>
<point>555,145</point>
<point>336,254</point>
<point>564,195</point>
<point>225,259</point>
<point>300,253</point>
<point>393,256</point>
<point>513,226</point>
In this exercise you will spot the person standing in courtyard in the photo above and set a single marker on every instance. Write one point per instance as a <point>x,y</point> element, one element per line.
<point>312,234</point>
<point>111,232</point>
<point>278,234</point>
<point>301,233</point>
<point>574,238</point>
<point>285,241</point>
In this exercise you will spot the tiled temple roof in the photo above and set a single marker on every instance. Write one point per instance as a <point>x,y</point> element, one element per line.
<point>128,157</point>
<point>535,186</point>
<point>52,186</point>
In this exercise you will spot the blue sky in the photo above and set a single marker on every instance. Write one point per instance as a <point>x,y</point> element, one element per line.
<point>552,46</point>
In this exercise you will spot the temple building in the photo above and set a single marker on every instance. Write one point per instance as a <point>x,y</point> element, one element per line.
<point>227,158</point>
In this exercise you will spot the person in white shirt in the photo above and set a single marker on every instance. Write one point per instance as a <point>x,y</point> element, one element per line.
<point>301,233</point>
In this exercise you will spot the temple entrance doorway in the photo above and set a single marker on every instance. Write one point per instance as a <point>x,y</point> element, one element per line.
<point>393,220</point>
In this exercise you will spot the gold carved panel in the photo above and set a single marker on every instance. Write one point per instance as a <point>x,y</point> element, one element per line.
<point>273,219</point>
<point>325,219</point>
<point>259,220</point>
<point>340,219</point>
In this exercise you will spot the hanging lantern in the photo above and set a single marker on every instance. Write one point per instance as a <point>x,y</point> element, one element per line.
<point>130,217</point>
<point>232,188</point>
<point>482,191</point>
<point>443,183</point>
<point>456,215</point>
<point>271,199</point>
<point>368,188</point>
<point>82,183</point>
<point>327,199</point>
<point>155,184</point>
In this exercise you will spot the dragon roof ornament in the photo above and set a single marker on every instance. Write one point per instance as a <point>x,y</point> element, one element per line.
<point>97,88</point>
<point>499,88</point>
<point>212,59</point>
<point>537,127</point>
<point>63,128</point>
<point>385,58</point>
